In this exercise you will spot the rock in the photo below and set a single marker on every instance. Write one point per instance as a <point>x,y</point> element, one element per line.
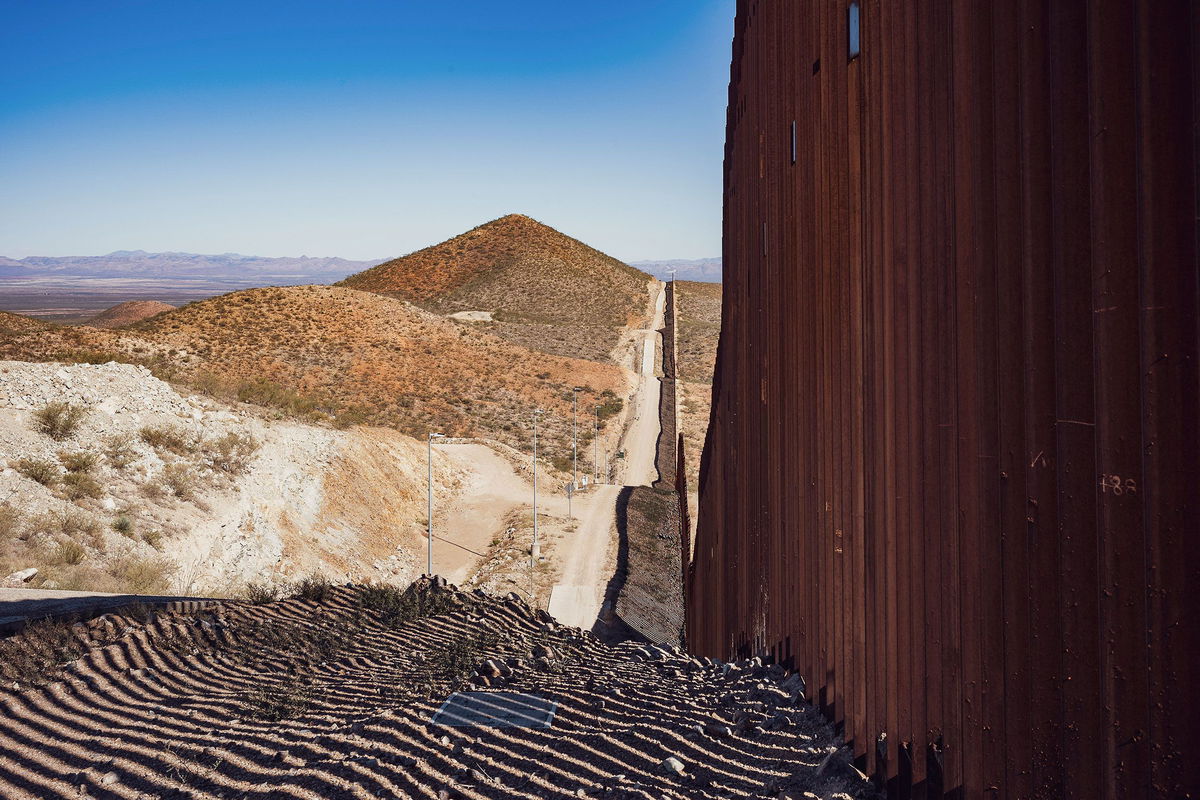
<point>718,730</point>
<point>672,765</point>
<point>108,779</point>
<point>21,576</point>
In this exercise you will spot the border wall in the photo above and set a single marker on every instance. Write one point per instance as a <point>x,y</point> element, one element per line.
<point>953,470</point>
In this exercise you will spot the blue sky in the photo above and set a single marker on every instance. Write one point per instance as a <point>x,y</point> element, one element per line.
<point>359,128</point>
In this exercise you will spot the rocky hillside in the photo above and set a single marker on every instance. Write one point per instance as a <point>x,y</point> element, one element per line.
<point>335,693</point>
<point>534,286</point>
<point>127,313</point>
<point>334,354</point>
<point>113,481</point>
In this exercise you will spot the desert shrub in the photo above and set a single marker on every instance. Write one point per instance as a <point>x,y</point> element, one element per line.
<point>170,438</point>
<point>610,405</point>
<point>286,699</point>
<point>11,522</point>
<point>59,420</point>
<point>79,461</point>
<point>398,607</point>
<point>232,453</point>
<point>67,551</point>
<point>32,655</point>
<point>118,450</point>
<point>314,587</point>
<point>268,393</point>
<point>152,537</point>
<point>79,485</point>
<point>44,472</point>
<point>123,525</point>
<point>142,575</point>
<point>349,417</point>
<point>180,480</point>
<point>449,665</point>
<point>259,594</point>
<point>153,491</point>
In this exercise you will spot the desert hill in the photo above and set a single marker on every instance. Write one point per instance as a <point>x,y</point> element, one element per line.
<point>321,352</point>
<point>335,693</point>
<point>11,324</point>
<point>543,289</point>
<point>335,349</point>
<point>127,313</point>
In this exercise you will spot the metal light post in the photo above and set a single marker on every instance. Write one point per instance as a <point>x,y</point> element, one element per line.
<point>574,442</point>
<point>533,553</point>
<point>429,521</point>
<point>672,271</point>
<point>596,458</point>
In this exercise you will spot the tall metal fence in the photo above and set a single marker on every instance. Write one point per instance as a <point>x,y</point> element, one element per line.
<point>953,472</point>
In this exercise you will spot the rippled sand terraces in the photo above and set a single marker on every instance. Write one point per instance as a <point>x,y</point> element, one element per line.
<point>180,706</point>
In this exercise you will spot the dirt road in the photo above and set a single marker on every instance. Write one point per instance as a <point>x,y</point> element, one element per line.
<point>463,531</point>
<point>586,566</point>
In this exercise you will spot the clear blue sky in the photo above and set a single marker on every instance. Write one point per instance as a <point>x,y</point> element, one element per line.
<point>359,128</point>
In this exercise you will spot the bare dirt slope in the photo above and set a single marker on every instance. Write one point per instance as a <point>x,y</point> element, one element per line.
<point>332,697</point>
<point>127,313</point>
<point>543,289</point>
<point>159,491</point>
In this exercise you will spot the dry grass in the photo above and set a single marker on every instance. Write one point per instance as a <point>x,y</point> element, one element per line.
<point>181,480</point>
<point>119,451</point>
<point>80,461</point>
<point>231,453</point>
<point>44,472</point>
<point>172,439</point>
<point>59,421</point>
<point>79,486</point>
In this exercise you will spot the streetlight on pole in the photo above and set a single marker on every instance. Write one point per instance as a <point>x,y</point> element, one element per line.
<point>429,520</point>
<point>575,437</point>
<point>596,460</point>
<point>533,553</point>
<point>672,271</point>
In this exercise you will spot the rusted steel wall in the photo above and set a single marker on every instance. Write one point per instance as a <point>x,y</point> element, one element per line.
<point>953,471</point>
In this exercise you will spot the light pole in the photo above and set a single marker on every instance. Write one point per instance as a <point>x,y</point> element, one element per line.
<point>533,553</point>
<point>672,271</point>
<point>429,521</point>
<point>596,459</point>
<point>574,441</point>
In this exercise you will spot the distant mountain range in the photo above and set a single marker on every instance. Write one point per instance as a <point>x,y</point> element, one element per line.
<point>240,270</point>
<point>707,270</point>
<point>229,268</point>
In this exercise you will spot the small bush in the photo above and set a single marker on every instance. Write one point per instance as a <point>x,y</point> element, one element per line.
<point>172,439</point>
<point>118,450</point>
<point>180,480</point>
<point>67,551</point>
<point>123,525</point>
<point>314,587</point>
<point>80,461</point>
<point>152,537</point>
<point>44,472</point>
<point>32,655</point>
<point>232,453</point>
<point>397,607</point>
<point>10,522</point>
<point>59,420</point>
<point>79,485</point>
<point>143,575</point>
<point>275,703</point>
<point>259,594</point>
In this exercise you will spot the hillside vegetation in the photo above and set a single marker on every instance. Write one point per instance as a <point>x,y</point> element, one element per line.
<point>544,289</point>
<point>320,352</point>
<point>699,317</point>
<point>127,313</point>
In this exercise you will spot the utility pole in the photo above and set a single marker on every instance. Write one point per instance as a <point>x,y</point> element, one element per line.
<point>533,553</point>
<point>672,271</point>
<point>574,443</point>
<point>596,458</point>
<point>429,521</point>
